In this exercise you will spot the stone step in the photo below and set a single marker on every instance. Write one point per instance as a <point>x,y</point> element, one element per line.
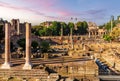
<point>39,61</point>
<point>24,73</point>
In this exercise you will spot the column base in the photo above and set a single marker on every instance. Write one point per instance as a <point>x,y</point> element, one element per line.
<point>27,66</point>
<point>6,65</point>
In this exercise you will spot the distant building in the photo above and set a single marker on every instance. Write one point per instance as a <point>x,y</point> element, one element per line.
<point>17,28</point>
<point>46,24</point>
<point>2,23</point>
<point>118,18</point>
<point>93,29</point>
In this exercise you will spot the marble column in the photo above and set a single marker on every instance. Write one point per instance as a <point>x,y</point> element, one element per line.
<point>61,31</point>
<point>61,38</point>
<point>18,27</point>
<point>28,64</point>
<point>7,63</point>
<point>89,34</point>
<point>71,38</point>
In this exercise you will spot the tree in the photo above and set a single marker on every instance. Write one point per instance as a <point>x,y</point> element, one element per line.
<point>34,45</point>
<point>1,32</point>
<point>85,27</point>
<point>44,46</point>
<point>115,33</point>
<point>22,43</point>
<point>108,25</point>
<point>35,29</point>
<point>56,28</point>
<point>101,26</point>
<point>49,31</point>
<point>42,32</point>
<point>64,27</point>
<point>71,27</point>
<point>82,27</point>
<point>107,38</point>
<point>11,46</point>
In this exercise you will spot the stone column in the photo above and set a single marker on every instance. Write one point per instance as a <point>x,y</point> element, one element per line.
<point>89,34</point>
<point>7,63</point>
<point>71,38</point>
<point>18,27</point>
<point>61,38</point>
<point>61,31</point>
<point>95,34</point>
<point>28,64</point>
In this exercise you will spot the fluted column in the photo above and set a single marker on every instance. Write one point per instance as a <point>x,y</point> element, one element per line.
<point>28,64</point>
<point>7,63</point>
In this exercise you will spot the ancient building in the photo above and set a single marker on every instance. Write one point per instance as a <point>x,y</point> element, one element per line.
<point>118,18</point>
<point>118,25</point>
<point>102,32</point>
<point>46,24</point>
<point>17,28</point>
<point>2,23</point>
<point>93,29</point>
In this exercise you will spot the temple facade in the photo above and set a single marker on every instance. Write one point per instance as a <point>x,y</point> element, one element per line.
<point>94,30</point>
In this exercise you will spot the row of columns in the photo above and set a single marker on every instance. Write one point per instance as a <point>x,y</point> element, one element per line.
<point>96,33</point>
<point>7,64</point>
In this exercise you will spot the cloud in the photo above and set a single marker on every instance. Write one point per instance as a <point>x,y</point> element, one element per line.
<point>32,10</point>
<point>93,12</point>
<point>41,4</point>
<point>7,5</point>
<point>52,10</point>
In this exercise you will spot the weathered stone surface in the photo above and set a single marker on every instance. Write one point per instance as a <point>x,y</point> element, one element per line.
<point>7,63</point>
<point>28,64</point>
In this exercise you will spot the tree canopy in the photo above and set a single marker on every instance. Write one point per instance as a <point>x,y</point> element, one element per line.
<point>34,44</point>
<point>22,43</point>
<point>1,32</point>
<point>44,46</point>
<point>115,33</point>
<point>82,27</point>
<point>55,29</point>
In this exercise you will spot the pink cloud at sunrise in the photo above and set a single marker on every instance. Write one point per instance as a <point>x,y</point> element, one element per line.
<point>37,11</point>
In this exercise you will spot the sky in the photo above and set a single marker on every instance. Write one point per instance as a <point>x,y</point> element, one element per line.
<point>37,11</point>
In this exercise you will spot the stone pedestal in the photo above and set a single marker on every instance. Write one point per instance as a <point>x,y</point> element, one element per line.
<point>18,27</point>
<point>7,63</point>
<point>46,55</point>
<point>28,64</point>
